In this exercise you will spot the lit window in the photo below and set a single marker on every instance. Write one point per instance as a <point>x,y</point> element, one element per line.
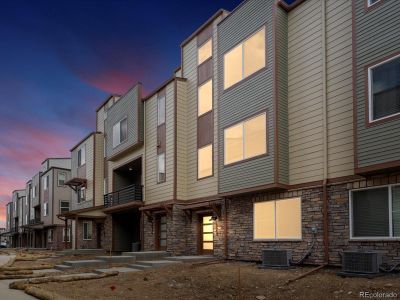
<point>280,219</point>
<point>87,230</point>
<point>245,140</point>
<point>120,132</point>
<point>205,161</point>
<point>61,178</point>
<point>64,206</point>
<point>161,110</point>
<point>384,89</point>
<point>205,97</point>
<point>161,168</point>
<point>244,59</point>
<point>375,213</point>
<point>82,156</point>
<point>205,51</point>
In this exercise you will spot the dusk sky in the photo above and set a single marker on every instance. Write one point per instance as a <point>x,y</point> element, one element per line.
<point>60,59</point>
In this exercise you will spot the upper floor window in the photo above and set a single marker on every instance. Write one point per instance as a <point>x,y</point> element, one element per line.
<point>46,182</point>
<point>384,89</point>
<point>64,206</point>
<point>375,212</point>
<point>244,59</point>
<point>120,132</point>
<point>45,209</point>
<point>246,139</point>
<point>81,194</point>
<point>161,168</point>
<point>372,2</point>
<point>68,239</point>
<point>161,110</point>
<point>205,98</point>
<point>205,161</point>
<point>82,156</point>
<point>62,177</point>
<point>280,219</point>
<point>204,52</point>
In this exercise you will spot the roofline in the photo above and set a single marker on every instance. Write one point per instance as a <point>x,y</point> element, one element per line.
<point>163,85</point>
<point>177,69</point>
<point>106,100</point>
<point>84,139</point>
<point>18,190</point>
<point>208,22</point>
<point>55,168</point>
<point>54,158</point>
<point>287,7</point>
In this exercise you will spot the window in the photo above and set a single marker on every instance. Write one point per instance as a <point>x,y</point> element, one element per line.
<point>15,206</point>
<point>26,201</point>
<point>26,218</point>
<point>82,156</point>
<point>161,110</point>
<point>205,161</point>
<point>46,209</point>
<point>375,213</point>
<point>280,219</point>
<point>81,194</point>
<point>50,235</point>
<point>62,178</point>
<point>245,140</point>
<point>120,132</point>
<point>35,190</point>
<point>205,94</point>
<point>105,187</point>
<point>384,89</point>
<point>161,168</point>
<point>204,52</point>
<point>68,234</point>
<point>245,59</point>
<point>64,206</point>
<point>372,2</point>
<point>46,182</point>
<point>87,230</point>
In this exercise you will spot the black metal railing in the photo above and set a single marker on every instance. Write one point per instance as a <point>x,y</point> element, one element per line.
<point>34,221</point>
<point>130,193</point>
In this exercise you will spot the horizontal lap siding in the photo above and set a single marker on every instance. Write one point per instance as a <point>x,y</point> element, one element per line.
<point>181,141</point>
<point>248,97</point>
<point>376,37</point>
<point>156,192</point>
<point>305,93</point>
<point>99,170</point>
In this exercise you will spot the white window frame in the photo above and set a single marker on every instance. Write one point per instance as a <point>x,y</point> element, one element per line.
<point>82,155</point>
<point>373,238</point>
<point>369,4</point>
<point>46,180</point>
<point>65,201</point>
<point>91,233</point>
<point>370,96</point>
<point>58,178</point>
<point>165,168</point>
<point>116,140</point>
<point>280,239</point>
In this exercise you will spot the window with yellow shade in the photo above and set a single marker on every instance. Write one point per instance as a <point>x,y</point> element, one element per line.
<point>205,161</point>
<point>204,52</point>
<point>205,96</point>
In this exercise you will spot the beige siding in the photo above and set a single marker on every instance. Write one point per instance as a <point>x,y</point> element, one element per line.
<point>339,88</point>
<point>100,120</point>
<point>99,169</point>
<point>89,168</point>
<point>305,93</point>
<point>181,141</point>
<point>156,192</point>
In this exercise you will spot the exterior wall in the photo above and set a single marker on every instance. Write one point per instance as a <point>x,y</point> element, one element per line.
<point>36,182</point>
<point>58,243</point>
<point>98,170</point>
<point>375,39</point>
<point>156,192</point>
<point>86,244</point>
<point>237,103</point>
<point>181,140</point>
<point>26,204</point>
<point>64,163</point>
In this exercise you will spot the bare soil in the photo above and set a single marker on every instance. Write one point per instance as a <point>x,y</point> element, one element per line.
<point>222,281</point>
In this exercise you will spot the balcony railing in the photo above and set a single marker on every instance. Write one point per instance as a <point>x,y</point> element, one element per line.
<point>130,193</point>
<point>34,221</point>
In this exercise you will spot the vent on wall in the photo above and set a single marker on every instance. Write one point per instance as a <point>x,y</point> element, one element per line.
<point>272,258</point>
<point>361,262</point>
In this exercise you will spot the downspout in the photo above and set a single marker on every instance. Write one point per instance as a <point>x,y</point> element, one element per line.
<point>325,135</point>
<point>226,228</point>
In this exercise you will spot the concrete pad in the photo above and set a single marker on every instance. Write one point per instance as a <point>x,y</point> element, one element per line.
<point>84,263</point>
<point>62,267</point>
<point>158,263</point>
<point>81,251</point>
<point>147,255</point>
<point>46,271</point>
<point>6,293</point>
<point>80,274</point>
<point>4,259</point>
<point>121,270</point>
<point>191,258</point>
<point>118,259</point>
<point>138,266</point>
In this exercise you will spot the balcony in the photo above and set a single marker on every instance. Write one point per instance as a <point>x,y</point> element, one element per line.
<point>125,195</point>
<point>35,221</point>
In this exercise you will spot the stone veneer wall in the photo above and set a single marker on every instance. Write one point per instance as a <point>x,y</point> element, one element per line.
<point>106,241</point>
<point>87,244</point>
<point>58,242</point>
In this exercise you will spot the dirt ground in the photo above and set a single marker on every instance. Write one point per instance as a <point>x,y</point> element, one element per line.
<point>221,281</point>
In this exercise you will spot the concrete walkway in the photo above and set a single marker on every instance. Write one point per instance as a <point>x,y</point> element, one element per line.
<point>5,292</point>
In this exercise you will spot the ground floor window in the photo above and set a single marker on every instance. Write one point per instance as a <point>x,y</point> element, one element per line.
<point>87,230</point>
<point>279,219</point>
<point>68,234</point>
<point>375,212</point>
<point>50,235</point>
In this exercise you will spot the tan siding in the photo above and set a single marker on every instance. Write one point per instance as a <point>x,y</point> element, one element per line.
<point>156,192</point>
<point>181,141</point>
<point>89,168</point>
<point>100,120</point>
<point>99,170</point>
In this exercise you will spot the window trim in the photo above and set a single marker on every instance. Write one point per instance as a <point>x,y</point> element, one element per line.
<point>233,47</point>
<point>279,239</point>
<point>69,205</point>
<point>243,120</point>
<point>45,209</point>
<point>160,95</point>
<point>165,168</point>
<point>58,180</point>
<point>83,231</point>
<point>373,238</point>
<point>212,161</point>
<point>369,111</point>
<point>212,50</point>
<point>120,142</point>
<point>46,181</point>
<point>369,5</point>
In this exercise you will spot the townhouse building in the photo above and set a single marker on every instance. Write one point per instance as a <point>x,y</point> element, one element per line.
<point>16,216</point>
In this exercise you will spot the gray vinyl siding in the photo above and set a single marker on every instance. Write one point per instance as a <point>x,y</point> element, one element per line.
<point>248,97</point>
<point>181,108</point>
<point>36,182</point>
<point>377,36</point>
<point>127,106</point>
<point>282,77</point>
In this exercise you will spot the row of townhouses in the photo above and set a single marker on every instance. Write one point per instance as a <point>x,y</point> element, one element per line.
<point>280,129</point>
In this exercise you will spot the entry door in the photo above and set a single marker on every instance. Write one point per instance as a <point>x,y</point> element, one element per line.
<point>162,233</point>
<point>207,235</point>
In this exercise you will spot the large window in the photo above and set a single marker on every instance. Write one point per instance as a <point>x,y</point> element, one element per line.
<point>205,161</point>
<point>246,139</point>
<point>161,110</point>
<point>280,219</point>
<point>384,89</point>
<point>82,156</point>
<point>375,213</point>
<point>245,59</point>
<point>81,194</point>
<point>87,230</point>
<point>205,51</point>
<point>64,206</point>
<point>46,209</point>
<point>62,177</point>
<point>161,168</point>
<point>120,132</point>
<point>205,95</point>
<point>46,182</point>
